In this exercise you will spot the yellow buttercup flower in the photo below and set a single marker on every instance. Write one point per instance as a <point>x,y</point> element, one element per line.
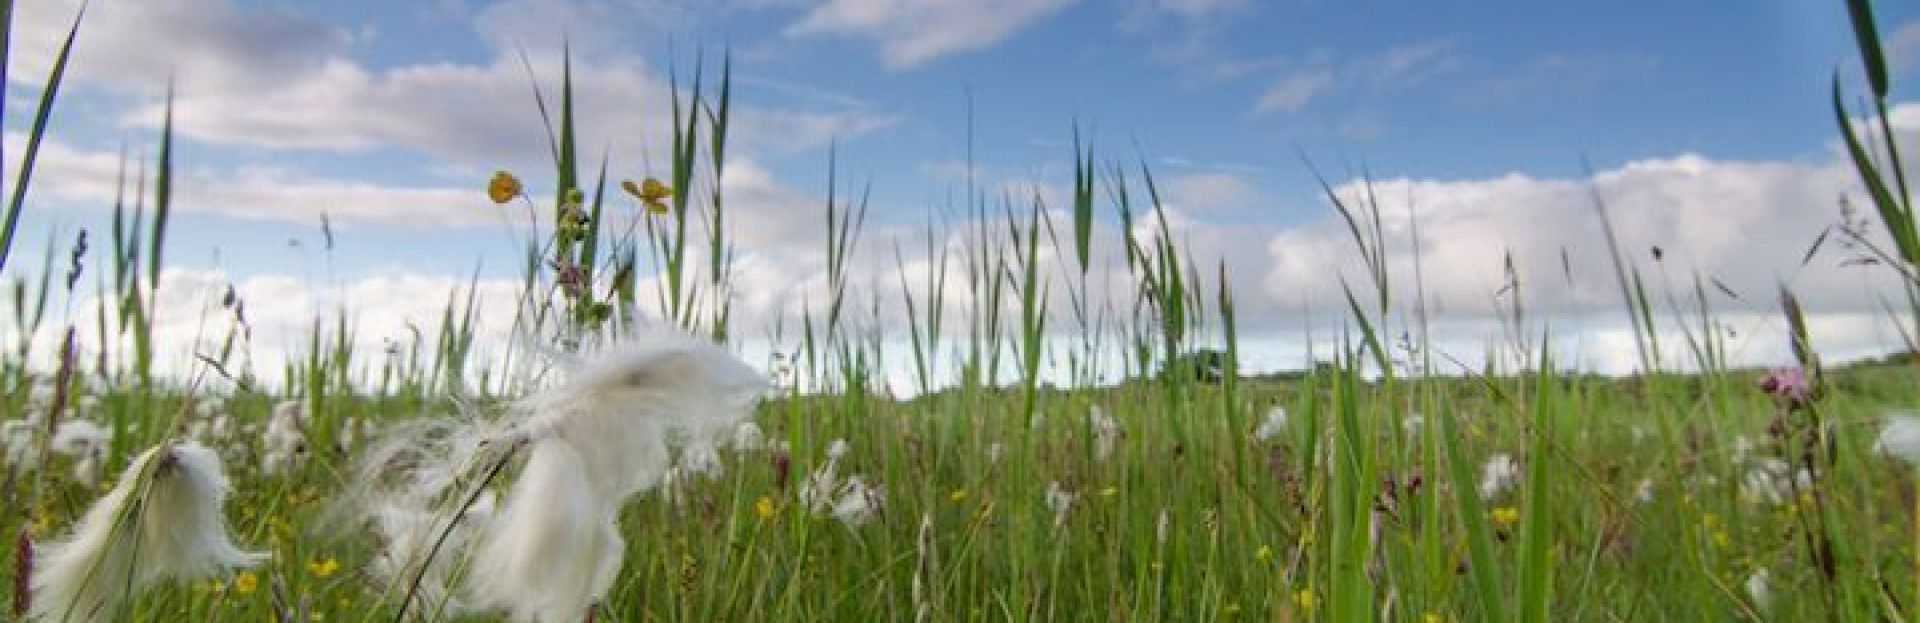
<point>503,187</point>
<point>321,568</point>
<point>1305,599</point>
<point>1506,516</point>
<point>763,507</point>
<point>245,583</point>
<point>651,192</point>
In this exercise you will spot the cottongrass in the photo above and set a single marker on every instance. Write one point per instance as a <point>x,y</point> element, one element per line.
<point>1773,481</point>
<point>552,547</point>
<point>1760,589</point>
<point>1499,474</point>
<point>817,493</point>
<point>86,443</point>
<point>161,521</point>
<point>858,504</point>
<point>1272,425</point>
<point>1106,432</point>
<point>284,441</point>
<point>1900,438</point>
<point>1060,501</point>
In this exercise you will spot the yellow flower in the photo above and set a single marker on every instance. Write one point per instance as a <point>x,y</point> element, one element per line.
<point>321,568</point>
<point>503,187</point>
<point>1304,597</point>
<point>245,583</point>
<point>1263,554</point>
<point>1506,516</point>
<point>958,496</point>
<point>1432,617</point>
<point>652,192</point>
<point>763,507</point>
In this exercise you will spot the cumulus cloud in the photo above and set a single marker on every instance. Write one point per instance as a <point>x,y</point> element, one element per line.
<point>67,176</point>
<point>912,32</point>
<point>252,77</point>
<point>1743,223</point>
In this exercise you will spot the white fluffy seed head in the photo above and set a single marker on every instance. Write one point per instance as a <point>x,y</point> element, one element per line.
<point>1900,437</point>
<point>1273,425</point>
<point>609,429</point>
<point>175,531</point>
<point>1499,474</point>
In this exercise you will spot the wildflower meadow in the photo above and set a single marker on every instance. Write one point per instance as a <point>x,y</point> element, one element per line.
<point>1071,442</point>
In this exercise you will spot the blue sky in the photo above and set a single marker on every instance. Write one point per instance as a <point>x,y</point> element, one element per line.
<point>388,116</point>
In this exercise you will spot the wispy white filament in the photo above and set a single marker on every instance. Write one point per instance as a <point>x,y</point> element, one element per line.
<point>607,431</point>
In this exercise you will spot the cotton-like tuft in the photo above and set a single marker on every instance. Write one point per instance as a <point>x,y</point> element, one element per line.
<point>1273,425</point>
<point>1900,438</point>
<point>162,521</point>
<point>285,441</point>
<point>1106,432</point>
<point>1499,474</point>
<point>609,429</point>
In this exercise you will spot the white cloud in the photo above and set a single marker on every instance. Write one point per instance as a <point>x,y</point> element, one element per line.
<point>65,175</point>
<point>1212,191</point>
<point>1396,68</point>
<point>912,32</point>
<point>251,77</point>
<point>1746,224</point>
<point>1292,92</point>
<point>1903,46</point>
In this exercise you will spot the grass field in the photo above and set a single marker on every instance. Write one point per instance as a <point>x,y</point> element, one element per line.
<point>1362,489</point>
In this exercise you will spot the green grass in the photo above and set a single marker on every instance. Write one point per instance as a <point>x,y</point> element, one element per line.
<point>1247,530</point>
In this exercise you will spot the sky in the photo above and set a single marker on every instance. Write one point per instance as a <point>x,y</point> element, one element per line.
<point>1486,128</point>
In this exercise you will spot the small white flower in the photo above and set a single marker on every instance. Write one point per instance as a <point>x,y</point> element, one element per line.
<point>1499,474</point>
<point>1644,491</point>
<point>1900,438</point>
<point>1274,424</point>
